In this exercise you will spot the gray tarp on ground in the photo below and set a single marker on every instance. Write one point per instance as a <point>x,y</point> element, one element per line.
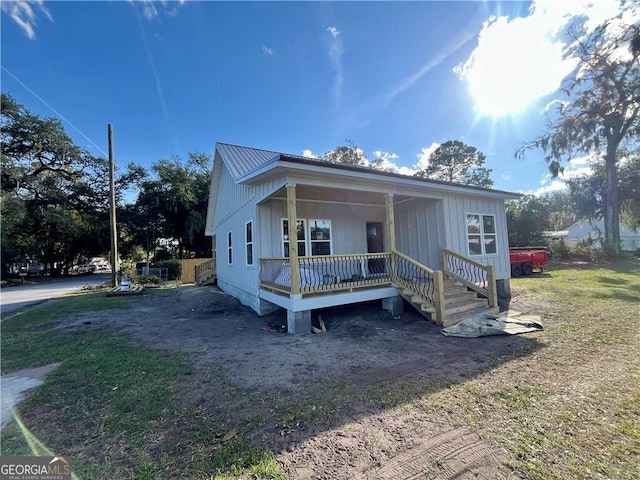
<point>509,322</point>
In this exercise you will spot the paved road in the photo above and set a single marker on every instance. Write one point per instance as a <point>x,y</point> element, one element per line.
<point>12,298</point>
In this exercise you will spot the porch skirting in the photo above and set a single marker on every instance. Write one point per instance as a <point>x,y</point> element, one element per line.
<point>298,303</point>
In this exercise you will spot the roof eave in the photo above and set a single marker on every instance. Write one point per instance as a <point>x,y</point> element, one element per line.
<point>279,163</point>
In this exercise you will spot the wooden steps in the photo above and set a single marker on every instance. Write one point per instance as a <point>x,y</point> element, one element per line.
<point>460,303</point>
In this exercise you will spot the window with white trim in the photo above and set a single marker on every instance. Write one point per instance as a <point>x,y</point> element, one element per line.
<point>229,248</point>
<point>300,235</point>
<point>481,234</point>
<point>248,240</point>
<point>320,237</point>
<point>313,237</point>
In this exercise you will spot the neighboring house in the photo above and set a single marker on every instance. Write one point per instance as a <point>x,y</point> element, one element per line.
<point>592,231</point>
<point>360,235</point>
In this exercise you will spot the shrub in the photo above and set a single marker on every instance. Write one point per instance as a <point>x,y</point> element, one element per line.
<point>560,250</point>
<point>128,269</point>
<point>148,280</point>
<point>173,266</point>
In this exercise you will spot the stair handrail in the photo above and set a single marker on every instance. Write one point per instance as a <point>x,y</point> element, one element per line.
<point>433,290</point>
<point>205,270</point>
<point>467,271</point>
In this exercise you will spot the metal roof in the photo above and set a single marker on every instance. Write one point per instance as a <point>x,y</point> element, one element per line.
<point>242,160</point>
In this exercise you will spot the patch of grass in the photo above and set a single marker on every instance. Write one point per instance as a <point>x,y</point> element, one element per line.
<point>571,409</point>
<point>44,315</point>
<point>247,463</point>
<point>112,408</point>
<point>104,392</point>
<point>584,282</point>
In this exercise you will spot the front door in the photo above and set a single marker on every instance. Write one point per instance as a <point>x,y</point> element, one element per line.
<point>375,245</point>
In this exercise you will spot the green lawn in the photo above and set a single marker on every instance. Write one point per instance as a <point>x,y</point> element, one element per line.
<point>572,408</point>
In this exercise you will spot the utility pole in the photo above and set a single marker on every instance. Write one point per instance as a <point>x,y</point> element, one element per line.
<point>112,210</point>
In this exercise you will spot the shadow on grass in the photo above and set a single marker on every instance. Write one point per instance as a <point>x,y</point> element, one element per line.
<point>221,414</point>
<point>391,363</point>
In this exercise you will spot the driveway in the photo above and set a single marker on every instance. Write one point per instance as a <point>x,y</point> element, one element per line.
<point>20,296</point>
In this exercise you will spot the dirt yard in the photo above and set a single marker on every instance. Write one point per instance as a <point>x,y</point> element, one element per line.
<point>364,346</point>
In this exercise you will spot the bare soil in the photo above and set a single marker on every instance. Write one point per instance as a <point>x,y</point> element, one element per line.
<point>364,347</point>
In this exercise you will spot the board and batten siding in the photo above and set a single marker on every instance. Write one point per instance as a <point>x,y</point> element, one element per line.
<point>455,209</point>
<point>348,224</point>
<point>235,206</point>
<point>419,230</point>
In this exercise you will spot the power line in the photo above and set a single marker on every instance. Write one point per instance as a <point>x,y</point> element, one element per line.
<point>54,111</point>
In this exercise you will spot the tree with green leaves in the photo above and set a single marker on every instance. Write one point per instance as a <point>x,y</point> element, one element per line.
<point>383,165</point>
<point>172,204</point>
<point>527,220</point>
<point>54,195</point>
<point>456,162</point>
<point>348,154</point>
<point>587,192</point>
<point>601,113</point>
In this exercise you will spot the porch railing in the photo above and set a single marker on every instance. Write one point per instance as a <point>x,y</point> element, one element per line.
<point>420,280</point>
<point>328,272</point>
<point>474,275</point>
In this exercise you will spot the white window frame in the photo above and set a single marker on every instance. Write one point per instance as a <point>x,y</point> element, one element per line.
<point>307,235</point>
<point>288,236</point>
<point>482,234</point>
<point>312,241</point>
<point>229,248</point>
<point>248,244</point>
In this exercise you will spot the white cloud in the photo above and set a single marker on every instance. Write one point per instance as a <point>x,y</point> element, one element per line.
<point>385,161</point>
<point>333,31</point>
<point>309,154</point>
<point>149,10</point>
<point>388,160</point>
<point>267,51</point>
<point>575,168</point>
<point>385,155</point>
<point>152,9</point>
<point>336,49</point>
<point>556,185</point>
<point>520,60</point>
<point>25,13</point>
<point>423,156</point>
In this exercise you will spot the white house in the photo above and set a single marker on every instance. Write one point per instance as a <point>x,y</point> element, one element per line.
<point>360,235</point>
<point>592,231</point>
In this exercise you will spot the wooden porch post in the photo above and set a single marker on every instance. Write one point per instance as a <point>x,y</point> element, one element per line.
<point>492,291</point>
<point>293,239</point>
<point>391,227</point>
<point>438,280</point>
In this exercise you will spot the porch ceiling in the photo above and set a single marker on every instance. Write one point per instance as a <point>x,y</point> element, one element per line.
<point>340,195</point>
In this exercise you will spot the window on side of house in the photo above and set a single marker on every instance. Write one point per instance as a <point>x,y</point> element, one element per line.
<point>489,234</point>
<point>300,234</point>
<point>481,234</point>
<point>320,237</point>
<point>229,249</point>
<point>248,240</point>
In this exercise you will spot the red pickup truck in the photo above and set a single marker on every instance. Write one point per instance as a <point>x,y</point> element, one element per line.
<point>525,259</point>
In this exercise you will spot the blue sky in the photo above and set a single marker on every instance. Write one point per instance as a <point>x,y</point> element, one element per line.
<point>397,78</point>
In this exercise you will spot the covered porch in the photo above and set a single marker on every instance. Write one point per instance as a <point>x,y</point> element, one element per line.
<point>345,272</point>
